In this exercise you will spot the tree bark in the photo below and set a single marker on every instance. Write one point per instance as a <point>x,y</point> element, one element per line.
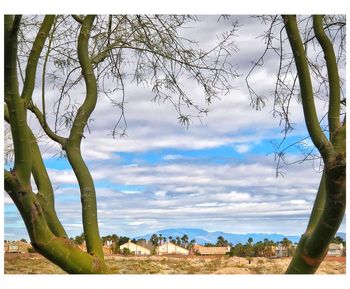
<point>46,232</point>
<point>82,173</point>
<point>329,206</point>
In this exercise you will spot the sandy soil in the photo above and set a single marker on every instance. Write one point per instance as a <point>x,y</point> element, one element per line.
<point>36,264</point>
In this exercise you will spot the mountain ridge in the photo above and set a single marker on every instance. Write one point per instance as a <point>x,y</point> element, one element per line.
<point>202,236</point>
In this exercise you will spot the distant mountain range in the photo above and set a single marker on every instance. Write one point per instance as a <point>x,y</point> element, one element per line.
<point>203,236</point>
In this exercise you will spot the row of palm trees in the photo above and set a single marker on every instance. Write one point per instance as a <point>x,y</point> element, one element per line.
<point>265,248</point>
<point>158,240</point>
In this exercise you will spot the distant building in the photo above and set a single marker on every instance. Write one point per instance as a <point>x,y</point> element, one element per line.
<point>335,249</point>
<point>82,246</point>
<point>170,248</point>
<point>107,250</point>
<point>16,247</point>
<point>281,251</point>
<point>202,250</point>
<point>135,249</point>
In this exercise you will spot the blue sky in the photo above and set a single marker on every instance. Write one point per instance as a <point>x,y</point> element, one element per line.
<point>219,174</point>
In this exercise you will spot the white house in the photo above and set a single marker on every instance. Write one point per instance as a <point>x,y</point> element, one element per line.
<point>335,249</point>
<point>170,248</point>
<point>136,249</point>
<point>16,247</point>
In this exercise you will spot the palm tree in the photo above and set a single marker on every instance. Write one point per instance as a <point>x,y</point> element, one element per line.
<point>184,240</point>
<point>154,239</point>
<point>286,244</point>
<point>259,249</point>
<point>268,247</point>
<point>221,242</point>
<point>191,244</point>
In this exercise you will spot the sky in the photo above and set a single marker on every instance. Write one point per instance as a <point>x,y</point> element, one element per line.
<point>219,174</point>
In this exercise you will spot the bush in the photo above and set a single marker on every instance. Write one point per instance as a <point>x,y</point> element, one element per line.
<point>126,252</point>
<point>31,250</point>
<point>116,250</point>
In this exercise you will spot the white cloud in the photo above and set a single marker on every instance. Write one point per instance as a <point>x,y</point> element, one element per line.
<point>298,202</point>
<point>172,157</point>
<point>242,148</point>
<point>7,199</point>
<point>72,225</point>
<point>143,222</point>
<point>161,194</point>
<point>62,176</point>
<point>233,197</point>
<point>128,192</point>
<point>207,205</point>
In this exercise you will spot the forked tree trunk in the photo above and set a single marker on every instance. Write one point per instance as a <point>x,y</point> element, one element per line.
<point>46,233</point>
<point>329,206</point>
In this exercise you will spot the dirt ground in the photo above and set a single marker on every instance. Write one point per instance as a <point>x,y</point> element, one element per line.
<point>338,259</point>
<point>36,264</point>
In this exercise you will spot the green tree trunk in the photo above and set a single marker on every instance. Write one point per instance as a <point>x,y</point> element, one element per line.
<point>46,233</point>
<point>329,206</point>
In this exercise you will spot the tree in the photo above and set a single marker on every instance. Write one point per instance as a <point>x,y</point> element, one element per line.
<point>259,249</point>
<point>178,241</point>
<point>154,240</point>
<point>238,250</point>
<point>80,239</point>
<point>338,240</point>
<point>141,242</point>
<point>286,242</point>
<point>286,245</point>
<point>161,238</point>
<point>221,242</point>
<point>122,240</point>
<point>184,240</point>
<point>249,248</point>
<point>316,78</point>
<point>115,241</point>
<point>191,244</point>
<point>268,246</point>
<point>163,59</point>
<point>329,206</point>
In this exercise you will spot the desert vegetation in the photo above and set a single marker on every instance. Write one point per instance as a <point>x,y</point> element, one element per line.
<point>118,264</point>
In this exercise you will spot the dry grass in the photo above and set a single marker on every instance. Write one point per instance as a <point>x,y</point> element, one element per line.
<point>29,264</point>
<point>36,264</point>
